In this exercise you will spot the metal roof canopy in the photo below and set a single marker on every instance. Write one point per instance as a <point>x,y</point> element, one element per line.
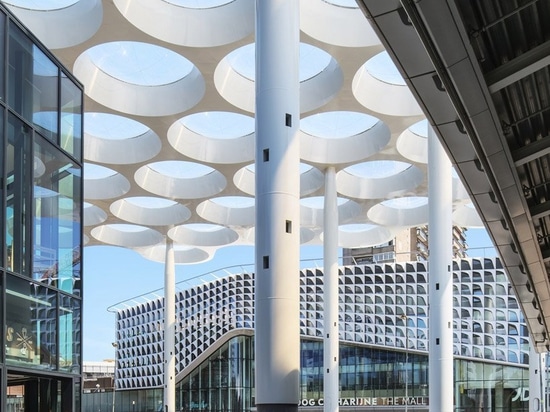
<point>480,72</point>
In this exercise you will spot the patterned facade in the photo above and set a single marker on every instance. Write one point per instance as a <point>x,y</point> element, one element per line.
<point>380,306</point>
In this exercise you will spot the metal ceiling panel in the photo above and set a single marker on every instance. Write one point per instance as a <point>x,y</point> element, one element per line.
<point>431,94</point>
<point>474,46</point>
<point>458,142</point>
<point>412,58</point>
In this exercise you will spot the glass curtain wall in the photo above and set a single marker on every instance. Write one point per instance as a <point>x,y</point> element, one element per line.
<point>40,259</point>
<point>368,377</point>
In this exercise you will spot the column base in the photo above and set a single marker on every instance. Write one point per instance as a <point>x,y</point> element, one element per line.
<point>277,407</point>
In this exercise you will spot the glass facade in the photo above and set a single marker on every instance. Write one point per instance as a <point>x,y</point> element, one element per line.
<point>369,377</point>
<point>224,382</point>
<point>40,261</point>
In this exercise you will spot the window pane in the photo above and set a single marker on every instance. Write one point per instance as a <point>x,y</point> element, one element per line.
<point>2,54</point>
<point>57,186</point>
<point>30,324</point>
<point>71,118</point>
<point>16,231</point>
<point>34,83</point>
<point>20,72</point>
<point>45,96</point>
<point>69,334</point>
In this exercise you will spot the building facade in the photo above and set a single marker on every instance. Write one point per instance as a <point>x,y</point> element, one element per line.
<point>383,323</point>
<point>41,130</point>
<point>409,244</point>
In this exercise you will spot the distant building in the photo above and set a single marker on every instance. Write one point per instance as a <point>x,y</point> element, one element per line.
<point>98,376</point>
<point>408,245</point>
<point>383,341</point>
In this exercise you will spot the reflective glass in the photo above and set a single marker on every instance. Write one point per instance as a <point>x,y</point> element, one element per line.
<point>31,324</point>
<point>33,81</point>
<point>20,72</point>
<point>17,232</point>
<point>71,117</point>
<point>56,218</point>
<point>45,102</point>
<point>2,54</point>
<point>69,333</point>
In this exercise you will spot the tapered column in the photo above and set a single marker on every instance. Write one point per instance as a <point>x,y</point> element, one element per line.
<point>440,240</point>
<point>169,329</point>
<point>535,380</point>
<point>330,311</point>
<point>277,306</point>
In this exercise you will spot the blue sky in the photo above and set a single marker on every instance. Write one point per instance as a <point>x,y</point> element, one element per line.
<point>114,274</point>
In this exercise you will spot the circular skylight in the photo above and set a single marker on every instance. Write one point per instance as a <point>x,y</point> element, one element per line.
<point>182,254</point>
<point>340,22</point>
<point>59,23</point>
<point>41,5</point>
<point>180,180</point>
<point>229,210</point>
<point>404,211</point>
<point>364,235</point>
<point>466,216</point>
<point>341,137</point>
<point>204,23</point>
<point>139,78</point>
<point>118,140</point>
<point>378,179</point>
<point>378,86</point>
<point>150,211</point>
<point>203,234</point>
<point>460,194</point>
<point>103,183</point>
<point>127,235</point>
<point>93,215</point>
<point>214,137</point>
<point>312,211</point>
<point>311,179</point>
<point>381,67</point>
<point>320,77</point>
<point>413,142</point>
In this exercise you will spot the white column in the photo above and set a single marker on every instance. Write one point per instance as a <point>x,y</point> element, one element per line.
<point>535,380</point>
<point>441,382</point>
<point>330,309</point>
<point>169,328</point>
<point>277,302</point>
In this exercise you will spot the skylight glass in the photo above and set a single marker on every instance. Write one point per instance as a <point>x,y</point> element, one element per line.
<point>41,4</point>
<point>420,128</point>
<point>150,202</point>
<point>181,170</point>
<point>234,201</point>
<point>93,172</point>
<point>140,63</point>
<point>317,202</point>
<point>113,127</point>
<point>219,125</point>
<point>411,202</point>
<point>378,169</point>
<point>382,68</point>
<point>312,61</point>
<point>337,124</point>
<point>350,4</point>
<point>198,4</point>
